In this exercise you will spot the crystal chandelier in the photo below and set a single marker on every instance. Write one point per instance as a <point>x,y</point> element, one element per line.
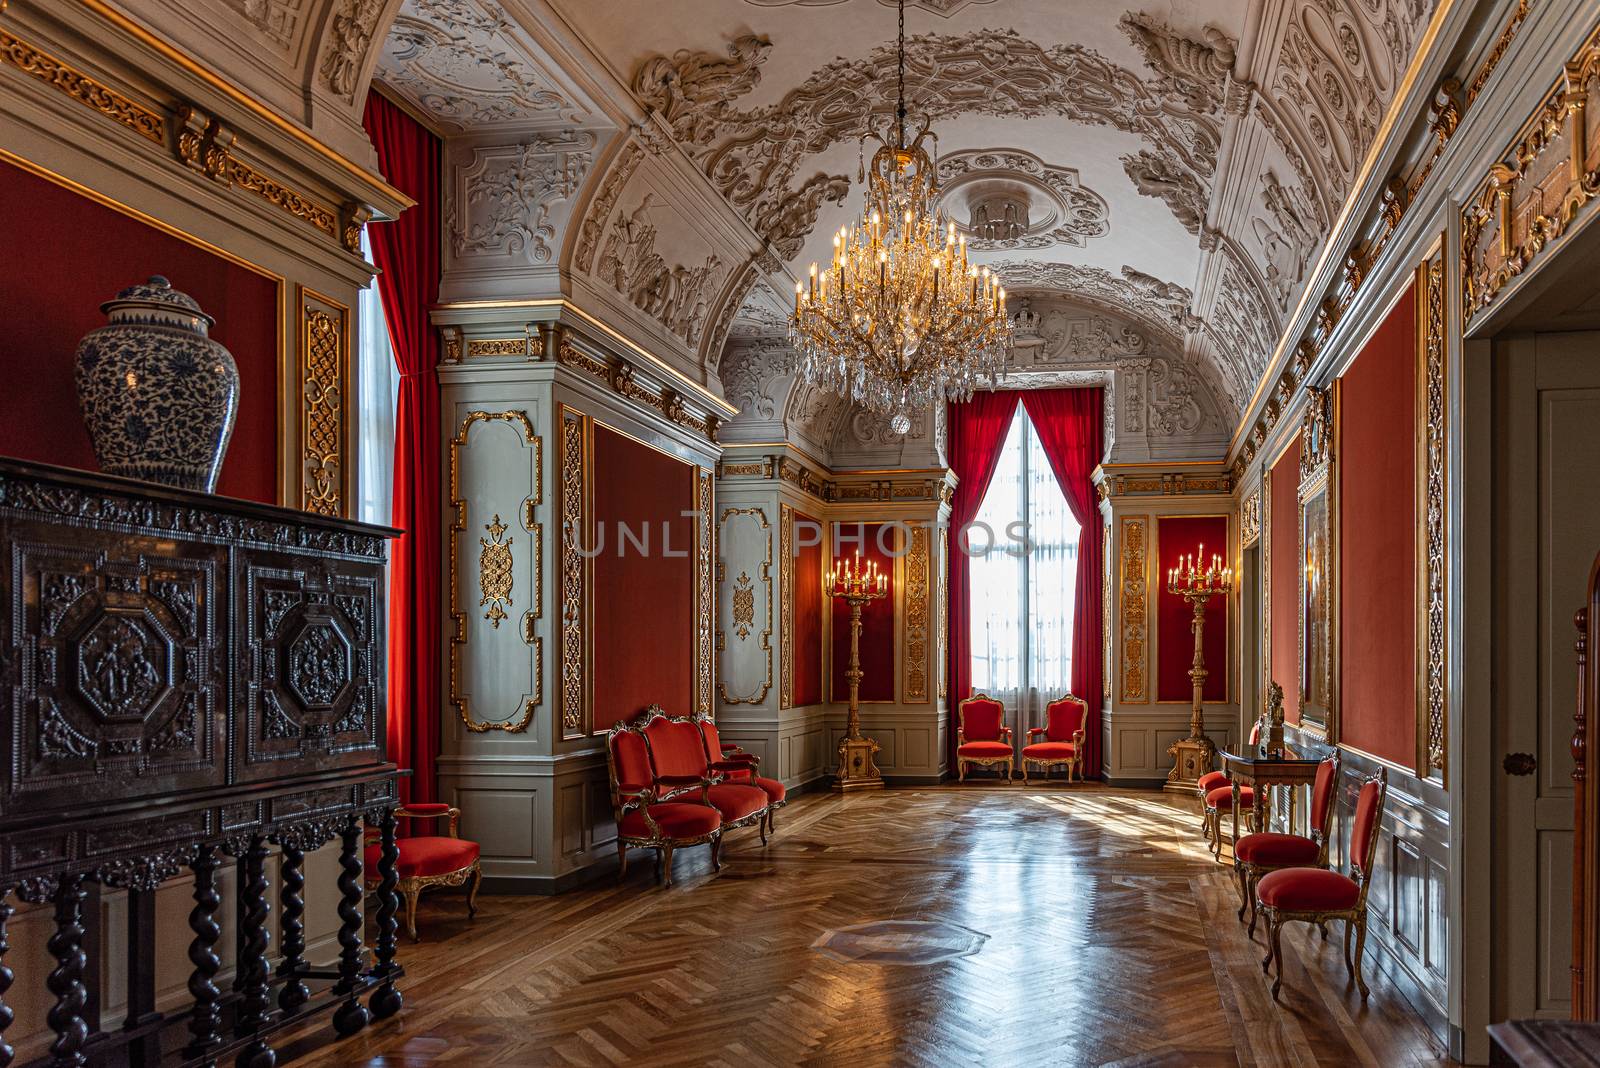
<point>900,318</point>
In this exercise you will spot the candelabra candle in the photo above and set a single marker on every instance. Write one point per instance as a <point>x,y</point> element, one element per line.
<point>1187,578</point>
<point>851,579</point>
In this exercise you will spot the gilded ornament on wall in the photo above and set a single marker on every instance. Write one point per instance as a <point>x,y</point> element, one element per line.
<point>705,595</point>
<point>744,605</point>
<point>1434,482</point>
<point>574,573</point>
<point>786,581</point>
<point>494,572</point>
<point>915,621</point>
<point>1135,623</point>
<point>323,368</point>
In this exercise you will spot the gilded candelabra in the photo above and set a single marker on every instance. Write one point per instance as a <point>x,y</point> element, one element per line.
<point>856,586</point>
<point>1196,754</point>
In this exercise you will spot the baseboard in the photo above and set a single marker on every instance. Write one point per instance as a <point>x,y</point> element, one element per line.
<point>545,885</point>
<point>1131,783</point>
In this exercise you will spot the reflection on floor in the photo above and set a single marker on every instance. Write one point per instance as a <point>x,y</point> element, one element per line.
<point>1064,926</point>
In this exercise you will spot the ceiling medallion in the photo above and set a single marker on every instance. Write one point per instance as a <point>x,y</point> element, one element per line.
<point>900,319</point>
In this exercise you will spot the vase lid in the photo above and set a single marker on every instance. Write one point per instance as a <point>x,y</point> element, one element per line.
<point>157,293</point>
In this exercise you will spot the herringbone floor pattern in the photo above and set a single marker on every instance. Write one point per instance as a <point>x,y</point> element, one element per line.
<point>1112,942</point>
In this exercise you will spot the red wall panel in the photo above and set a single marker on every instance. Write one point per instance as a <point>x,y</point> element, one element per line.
<point>1176,537</point>
<point>1284,570</point>
<point>643,602</point>
<point>1377,542</point>
<point>807,622</point>
<point>69,254</point>
<point>877,617</point>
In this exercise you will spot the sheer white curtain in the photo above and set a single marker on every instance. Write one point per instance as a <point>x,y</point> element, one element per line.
<point>377,386</point>
<point>1023,583</point>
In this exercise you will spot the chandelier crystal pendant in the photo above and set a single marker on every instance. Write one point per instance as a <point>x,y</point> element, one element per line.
<point>900,318</point>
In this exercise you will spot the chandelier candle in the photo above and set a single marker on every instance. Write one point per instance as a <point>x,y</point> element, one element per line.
<point>856,586</point>
<point>1197,584</point>
<point>902,341</point>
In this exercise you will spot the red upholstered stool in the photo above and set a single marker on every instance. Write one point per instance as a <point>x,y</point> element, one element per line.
<point>1219,801</point>
<point>1317,895</point>
<point>428,862</point>
<point>1060,740</point>
<point>1255,855</point>
<point>982,737</point>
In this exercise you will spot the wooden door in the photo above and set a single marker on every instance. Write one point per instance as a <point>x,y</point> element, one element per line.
<point>1547,527</point>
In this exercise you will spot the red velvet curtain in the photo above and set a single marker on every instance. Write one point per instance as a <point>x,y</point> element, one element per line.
<point>976,431</point>
<point>406,252</point>
<point>1068,423</point>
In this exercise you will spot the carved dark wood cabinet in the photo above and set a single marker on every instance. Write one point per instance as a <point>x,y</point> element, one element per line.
<point>190,678</point>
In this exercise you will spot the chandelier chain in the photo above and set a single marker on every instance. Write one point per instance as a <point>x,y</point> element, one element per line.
<point>900,319</point>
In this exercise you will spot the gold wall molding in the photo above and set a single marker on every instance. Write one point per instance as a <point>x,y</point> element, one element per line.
<point>1319,448</point>
<point>705,591</point>
<point>915,582</point>
<point>1529,199</point>
<point>205,145</point>
<point>202,142</point>
<point>742,613</point>
<point>575,448</point>
<point>1496,54</point>
<point>324,423</point>
<point>900,487</point>
<point>495,572</point>
<point>786,582</point>
<point>68,80</point>
<point>1135,582</point>
<point>1433,537</point>
<point>619,374</point>
<point>1250,520</point>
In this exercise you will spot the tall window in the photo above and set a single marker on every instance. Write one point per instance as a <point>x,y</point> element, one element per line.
<point>377,386</point>
<point>1023,581</point>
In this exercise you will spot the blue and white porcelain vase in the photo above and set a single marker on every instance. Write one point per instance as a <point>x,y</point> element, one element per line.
<point>158,395</point>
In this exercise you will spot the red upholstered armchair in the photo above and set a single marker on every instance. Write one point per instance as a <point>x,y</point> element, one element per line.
<point>1216,797</point>
<point>427,862</point>
<point>1255,855</point>
<point>1060,741</point>
<point>1317,895</point>
<point>982,736</point>
<point>739,766</point>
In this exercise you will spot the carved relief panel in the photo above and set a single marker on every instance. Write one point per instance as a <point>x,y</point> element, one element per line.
<point>117,671</point>
<point>745,614</point>
<point>314,682</point>
<point>496,568</point>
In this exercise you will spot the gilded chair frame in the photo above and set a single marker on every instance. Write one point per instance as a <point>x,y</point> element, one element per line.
<point>1354,917</point>
<point>1074,763</point>
<point>1250,874</point>
<point>961,740</point>
<point>410,889</point>
<point>626,801</point>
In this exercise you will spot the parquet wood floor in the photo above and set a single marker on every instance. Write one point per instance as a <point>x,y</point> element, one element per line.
<point>1112,942</point>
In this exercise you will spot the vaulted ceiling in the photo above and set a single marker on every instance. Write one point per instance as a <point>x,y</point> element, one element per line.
<point>1174,164</point>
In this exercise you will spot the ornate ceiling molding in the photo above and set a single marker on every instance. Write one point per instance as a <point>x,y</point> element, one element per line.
<point>467,64</point>
<point>1164,307</point>
<point>503,200</point>
<point>678,296</point>
<point>753,155</point>
<point>944,8</point>
<point>1062,211</point>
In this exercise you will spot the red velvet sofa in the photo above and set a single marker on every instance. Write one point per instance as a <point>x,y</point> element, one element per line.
<point>673,785</point>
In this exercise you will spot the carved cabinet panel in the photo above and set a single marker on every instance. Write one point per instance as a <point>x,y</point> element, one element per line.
<point>310,684</point>
<point>116,684</point>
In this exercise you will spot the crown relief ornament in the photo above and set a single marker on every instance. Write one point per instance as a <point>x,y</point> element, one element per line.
<point>900,319</point>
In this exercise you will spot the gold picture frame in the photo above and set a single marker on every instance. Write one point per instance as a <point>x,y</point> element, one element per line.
<point>1318,515</point>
